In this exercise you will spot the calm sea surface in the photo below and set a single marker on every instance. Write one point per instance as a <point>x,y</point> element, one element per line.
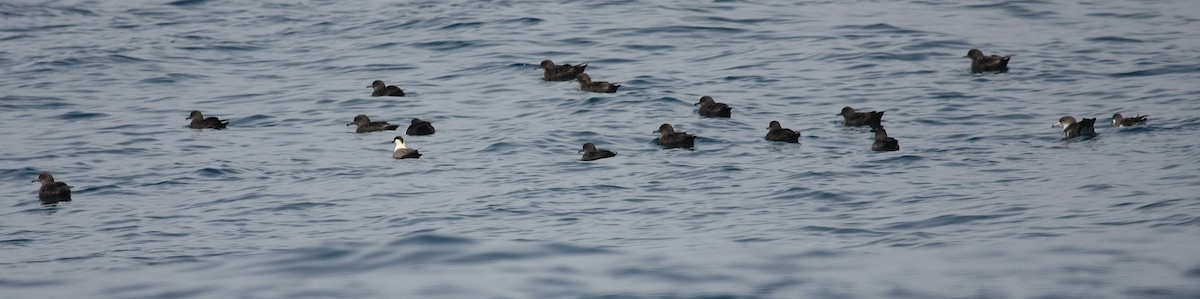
<point>982,201</point>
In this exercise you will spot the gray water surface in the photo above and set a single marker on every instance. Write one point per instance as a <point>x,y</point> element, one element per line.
<point>982,201</point>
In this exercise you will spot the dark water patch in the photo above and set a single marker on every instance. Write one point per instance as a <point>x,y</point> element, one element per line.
<point>1137,15</point>
<point>667,275</point>
<point>215,172</point>
<point>462,25</point>
<point>452,45</point>
<point>12,38</point>
<point>1160,292</point>
<point>1121,223</point>
<point>300,206</point>
<point>802,193</point>
<point>854,56</point>
<point>1194,272</point>
<point>877,28</point>
<point>754,79</point>
<point>694,31</point>
<point>39,28</point>
<point>385,45</point>
<point>13,283</point>
<point>259,120</point>
<point>1096,187</point>
<point>16,242</point>
<point>942,220</point>
<point>79,115</point>
<point>1114,39</point>
<point>120,228</point>
<point>107,190</point>
<point>914,239</point>
<point>936,45</point>
<point>187,2</point>
<point>224,47</point>
<point>1165,70</point>
<point>521,21</point>
<point>844,231</point>
<point>124,59</point>
<point>1015,9</point>
<point>906,160</point>
<point>746,21</point>
<point>649,47</point>
<point>426,239</point>
<point>409,222</point>
<point>169,235</point>
<point>1159,204</point>
<point>170,78</point>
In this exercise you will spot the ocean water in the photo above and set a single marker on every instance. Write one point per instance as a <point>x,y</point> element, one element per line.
<point>982,201</point>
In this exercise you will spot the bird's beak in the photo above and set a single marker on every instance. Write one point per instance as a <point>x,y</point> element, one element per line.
<point>33,181</point>
<point>349,124</point>
<point>966,57</point>
<point>580,151</point>
<point>695,104</point>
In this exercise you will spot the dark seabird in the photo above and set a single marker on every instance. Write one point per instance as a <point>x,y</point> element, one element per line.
<point>883,142</point>
<point>591,153</point>
<point>419,127</point>
<point>1121,121</point>
<point>366,125</point>
<point>586,84</point>
<point>1072,129</point>
<point>852,118</point>
<point>564,72</point>
<point>710,107</point>
<point>199,122</point>
<point>776,132</point>
<point>52,192</point>
<point>384,90</point>
<point>987,63</point>
<point>668,138</point>
<point>402,151</point>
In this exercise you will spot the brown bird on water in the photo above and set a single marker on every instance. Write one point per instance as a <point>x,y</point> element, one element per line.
<point>883,142</point>
<point>419,127</point>
<point>668,138</point>
<point>586,84</point>
<point>384,90</point>
<point>365,125</point>
<point>565,72</point>
<point>1120,121</point>
<point>590,153</point>
<point>776,132</point>
<point>855,118</point>
<point>710,108</point>
<point>1072,129</point>
<point>52,192</point>
<point>987,63</point>
<point>199,122</point>
<point>402,151</point>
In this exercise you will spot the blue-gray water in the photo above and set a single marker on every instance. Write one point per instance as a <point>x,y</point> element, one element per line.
<point>982,201</point>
